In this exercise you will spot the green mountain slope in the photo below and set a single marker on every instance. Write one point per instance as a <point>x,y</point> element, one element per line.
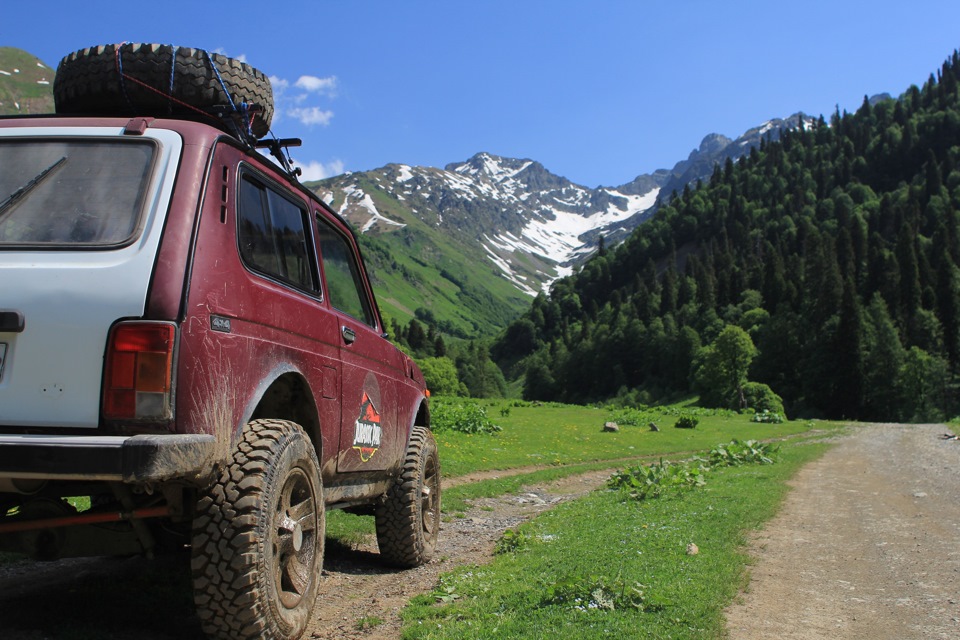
<point>26,83</point>
<point>419,271</point>
<point>836,249</point>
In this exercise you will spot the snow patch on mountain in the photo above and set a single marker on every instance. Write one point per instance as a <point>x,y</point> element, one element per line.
<point>518,280</point>
<point>556,235</point>
<point>355,197</point>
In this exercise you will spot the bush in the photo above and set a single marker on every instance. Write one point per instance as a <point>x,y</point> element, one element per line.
<point>760,398</point>
<point>465,417</point>
<point>686,422</point>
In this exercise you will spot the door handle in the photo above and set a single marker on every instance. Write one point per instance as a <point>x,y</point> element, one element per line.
<point>11,321</point>
<point>349,335</point>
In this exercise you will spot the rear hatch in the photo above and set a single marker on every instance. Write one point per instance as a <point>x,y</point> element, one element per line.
<point>81,214</point>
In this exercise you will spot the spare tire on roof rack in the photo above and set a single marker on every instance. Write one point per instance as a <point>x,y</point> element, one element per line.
<point>164,80</point>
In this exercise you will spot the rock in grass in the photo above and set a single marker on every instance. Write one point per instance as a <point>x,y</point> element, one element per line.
<point>611,427</point>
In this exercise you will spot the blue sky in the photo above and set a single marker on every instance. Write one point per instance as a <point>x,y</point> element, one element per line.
<point>598,91</point>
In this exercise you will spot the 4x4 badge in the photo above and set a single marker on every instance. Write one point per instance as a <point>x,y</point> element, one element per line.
<point>368,432</point>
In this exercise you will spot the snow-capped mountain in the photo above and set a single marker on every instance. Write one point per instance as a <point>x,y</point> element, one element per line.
<point>527,221</point>
<point>531,225</point>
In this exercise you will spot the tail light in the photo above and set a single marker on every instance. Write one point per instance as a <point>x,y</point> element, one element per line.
<point>138,375</point>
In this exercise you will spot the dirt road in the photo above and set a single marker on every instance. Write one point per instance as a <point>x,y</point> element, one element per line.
<point>867,546</point>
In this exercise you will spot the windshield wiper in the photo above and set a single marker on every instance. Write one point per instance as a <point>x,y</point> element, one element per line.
<point>25,190</point>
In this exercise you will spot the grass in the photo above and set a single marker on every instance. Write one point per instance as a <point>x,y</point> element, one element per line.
<point>555,434</point>
<point>566,440</point>
<point>609,566</point>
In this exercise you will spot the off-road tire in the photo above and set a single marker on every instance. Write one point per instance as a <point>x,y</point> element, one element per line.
<point>258,537</point>
<point>88,82</point>
<point>408,521</point>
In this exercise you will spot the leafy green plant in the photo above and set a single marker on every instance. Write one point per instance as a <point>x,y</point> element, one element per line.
<point>652,481</point>
<point>736,453</point>
<point>465,417</point>
<point>511,542</point>
<point>687,422</point>
<point>597,593</point>
<point>767,417</point>
<point>629,416</point>
<point>444,593</point>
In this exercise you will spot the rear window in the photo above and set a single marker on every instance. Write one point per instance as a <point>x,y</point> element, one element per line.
<point>65,193</point>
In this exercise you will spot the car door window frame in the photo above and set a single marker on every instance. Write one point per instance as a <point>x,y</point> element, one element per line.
<point>340,265</point>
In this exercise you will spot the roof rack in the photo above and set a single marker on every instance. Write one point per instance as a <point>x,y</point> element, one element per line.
<point>278,148</point>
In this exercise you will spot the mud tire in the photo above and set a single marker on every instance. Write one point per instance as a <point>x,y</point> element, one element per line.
<point>88,83</point>
<point>258,537</point>
<point>408,521</point>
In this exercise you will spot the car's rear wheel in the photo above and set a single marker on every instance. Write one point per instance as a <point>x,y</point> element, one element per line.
<point>408,521</point>
<point>159,80</point>
<point>258,537</point>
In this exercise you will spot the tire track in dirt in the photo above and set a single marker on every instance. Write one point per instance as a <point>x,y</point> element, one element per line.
<point>356,586</point>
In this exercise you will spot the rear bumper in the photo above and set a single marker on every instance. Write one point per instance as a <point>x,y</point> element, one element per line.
<point>131,459</point>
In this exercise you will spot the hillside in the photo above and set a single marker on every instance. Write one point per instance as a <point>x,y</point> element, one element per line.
<point>475,241</point>
<point>26,83</point>
<point>835,249</point>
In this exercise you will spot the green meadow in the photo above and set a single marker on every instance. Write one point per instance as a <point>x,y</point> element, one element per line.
<point>607,565</point>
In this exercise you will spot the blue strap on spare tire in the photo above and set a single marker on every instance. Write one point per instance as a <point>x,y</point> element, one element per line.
<point>173,68</point>
<point>244,112</point>
<point>123,84</point>
<point>244,109</point>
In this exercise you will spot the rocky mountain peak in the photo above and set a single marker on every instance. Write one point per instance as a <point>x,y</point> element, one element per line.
<point>532,225</point>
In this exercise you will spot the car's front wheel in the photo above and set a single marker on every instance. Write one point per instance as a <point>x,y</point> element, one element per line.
<point>408,521</point>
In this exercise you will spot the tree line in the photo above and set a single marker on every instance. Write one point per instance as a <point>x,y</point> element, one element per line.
<point>463,368</point>
<point>834,250</point>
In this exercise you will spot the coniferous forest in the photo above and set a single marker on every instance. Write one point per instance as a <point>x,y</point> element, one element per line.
<point>827,260</point>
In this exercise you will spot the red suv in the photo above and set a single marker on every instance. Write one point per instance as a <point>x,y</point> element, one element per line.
<point>189,339</point>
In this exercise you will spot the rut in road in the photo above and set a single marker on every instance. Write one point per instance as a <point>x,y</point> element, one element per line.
<point>357,588</point>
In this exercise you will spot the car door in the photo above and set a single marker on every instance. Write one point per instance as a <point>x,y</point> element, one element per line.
<point>368,429</point>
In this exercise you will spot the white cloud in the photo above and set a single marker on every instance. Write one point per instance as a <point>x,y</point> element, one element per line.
<point>240,58</point>
<point>313,84</point>
<point>299,100</point>
<point>319,170</point>
<point>312,115</point>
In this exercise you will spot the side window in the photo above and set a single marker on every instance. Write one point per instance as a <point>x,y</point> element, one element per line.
<point>344,285</point>
<point>273,235</point>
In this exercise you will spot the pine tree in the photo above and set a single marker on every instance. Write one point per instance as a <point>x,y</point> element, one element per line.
<point>849,370</point>
<point>883,358</point>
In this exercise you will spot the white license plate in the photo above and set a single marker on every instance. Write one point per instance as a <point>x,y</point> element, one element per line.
<point>3,357</point>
